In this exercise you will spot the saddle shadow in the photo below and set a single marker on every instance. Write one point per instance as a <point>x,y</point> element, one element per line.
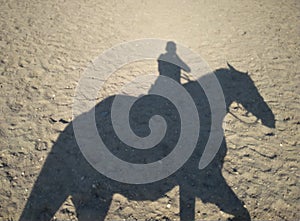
<point>67,173</point>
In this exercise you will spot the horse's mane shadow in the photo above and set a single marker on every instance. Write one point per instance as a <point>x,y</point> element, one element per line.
<point>67,173</point>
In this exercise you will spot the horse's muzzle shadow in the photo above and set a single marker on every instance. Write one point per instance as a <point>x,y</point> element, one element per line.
<point>67,173</point>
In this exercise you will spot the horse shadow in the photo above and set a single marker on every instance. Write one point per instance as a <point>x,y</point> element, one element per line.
<point>67,173</point>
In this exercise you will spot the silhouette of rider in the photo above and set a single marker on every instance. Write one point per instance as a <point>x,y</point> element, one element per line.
<point>170,64</point>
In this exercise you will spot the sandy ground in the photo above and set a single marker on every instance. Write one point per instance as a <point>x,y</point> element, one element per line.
<point>45,46</point>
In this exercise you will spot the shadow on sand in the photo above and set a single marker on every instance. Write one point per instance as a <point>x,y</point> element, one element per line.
<point>67,173</point>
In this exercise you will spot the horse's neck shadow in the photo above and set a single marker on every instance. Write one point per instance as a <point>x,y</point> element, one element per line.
<point>66,172</point>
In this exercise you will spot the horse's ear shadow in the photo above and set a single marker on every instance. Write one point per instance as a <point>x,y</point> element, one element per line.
<point>231,67</point>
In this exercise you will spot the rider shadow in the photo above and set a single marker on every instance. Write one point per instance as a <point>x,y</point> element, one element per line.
<point>67,173</point>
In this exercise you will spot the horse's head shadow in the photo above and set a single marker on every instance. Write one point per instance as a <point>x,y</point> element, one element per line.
<point>239,87</point>
<point>67,173</point>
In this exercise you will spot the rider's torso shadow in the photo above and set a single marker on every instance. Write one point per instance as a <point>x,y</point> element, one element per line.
<point>66,172</point>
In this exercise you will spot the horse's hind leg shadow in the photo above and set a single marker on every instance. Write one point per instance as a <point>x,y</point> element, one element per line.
<point>47,195</point>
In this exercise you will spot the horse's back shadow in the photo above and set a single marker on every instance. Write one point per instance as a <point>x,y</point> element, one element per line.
<point>67,173</point>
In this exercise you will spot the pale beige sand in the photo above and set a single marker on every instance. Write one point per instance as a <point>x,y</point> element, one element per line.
<point>45,46</point>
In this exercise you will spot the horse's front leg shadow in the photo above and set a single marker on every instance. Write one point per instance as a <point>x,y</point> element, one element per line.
<point>223,196</point>
<point>187,203</point>
<point>92,206</point>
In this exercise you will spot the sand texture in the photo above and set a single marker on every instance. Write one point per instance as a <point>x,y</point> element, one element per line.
<point>45,47</point>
